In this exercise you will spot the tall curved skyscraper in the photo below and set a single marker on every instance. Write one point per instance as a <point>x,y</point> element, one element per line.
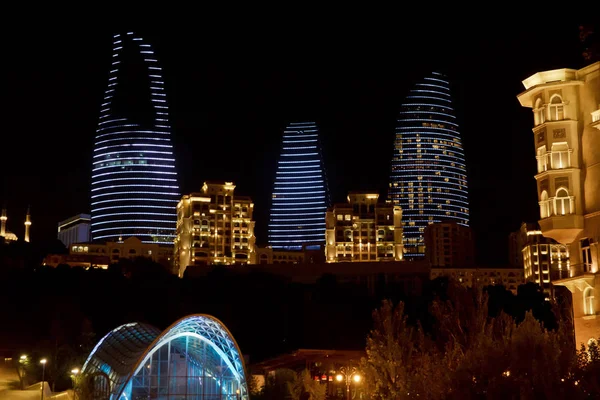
<point>134,182</point>
<point>300,194</point>
<point>428,178</point>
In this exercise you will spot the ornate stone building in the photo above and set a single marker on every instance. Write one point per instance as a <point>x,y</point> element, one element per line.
<point>566,113</point>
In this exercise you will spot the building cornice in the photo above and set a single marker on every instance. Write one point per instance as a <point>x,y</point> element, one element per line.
<point>526,97</point>
<point>554,172</point>
<point>592,215</point>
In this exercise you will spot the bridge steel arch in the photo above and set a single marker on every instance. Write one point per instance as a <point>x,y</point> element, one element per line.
<point>201,339</point>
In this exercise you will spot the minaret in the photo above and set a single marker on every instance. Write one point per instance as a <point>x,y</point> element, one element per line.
<point>27,225</point>
<point>3,219</point>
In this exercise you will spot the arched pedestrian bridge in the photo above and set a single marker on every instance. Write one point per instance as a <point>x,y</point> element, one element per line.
<point>196,357</point>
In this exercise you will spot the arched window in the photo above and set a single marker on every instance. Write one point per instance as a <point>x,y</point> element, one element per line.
<point>544,205</point>
<point>542,159</point>
<point>562,202</point>
<point>561,157</point>
<point>539,112</point>
<point>588,301</point>
<point>556,108</point>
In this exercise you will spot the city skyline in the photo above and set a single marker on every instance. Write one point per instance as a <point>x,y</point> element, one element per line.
<point>244,93</point>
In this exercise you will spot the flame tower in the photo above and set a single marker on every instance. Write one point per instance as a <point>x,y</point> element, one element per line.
<point>134,182</point>
<point>300,194</point>
<point>428,175</point>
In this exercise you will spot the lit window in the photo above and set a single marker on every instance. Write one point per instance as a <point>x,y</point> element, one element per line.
<point>542,159</point>
<point>561,155</point>
<point>539,112</point>
<point>588,301</point>
<point>544,205</point>
<point>562,202</point>
<point>556,108</point>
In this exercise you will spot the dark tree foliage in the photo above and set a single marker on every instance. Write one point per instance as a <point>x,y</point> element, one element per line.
<point>60,313</point>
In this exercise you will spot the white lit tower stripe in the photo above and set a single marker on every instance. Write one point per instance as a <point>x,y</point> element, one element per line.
<point>300,194</point>
<point>134,182</point>
<point>428,178</point>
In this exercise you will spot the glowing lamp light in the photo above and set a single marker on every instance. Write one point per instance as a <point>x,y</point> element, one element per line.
<point>23,357</point>
<point>339,377</point>
<point>43,361</point>
<point>356,378</point>
<point>75,371</point>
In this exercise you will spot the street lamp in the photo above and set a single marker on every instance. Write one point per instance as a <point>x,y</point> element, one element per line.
<point>43,362</point>
<point>349,374</point>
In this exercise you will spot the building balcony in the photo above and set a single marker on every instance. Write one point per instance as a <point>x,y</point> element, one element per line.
<point>596,119</point>
<point>562,228</point>
<point>580,278</point>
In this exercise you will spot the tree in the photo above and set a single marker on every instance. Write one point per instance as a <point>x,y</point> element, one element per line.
<point>277,385</point>
<point>254,388</point>
<point>467,353</point>
<point>586,374</point>
<point>23,367</point>
<point>305,388</point>
<point>394,354</point>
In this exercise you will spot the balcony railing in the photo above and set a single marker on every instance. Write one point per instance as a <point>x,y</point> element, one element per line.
<point>557,206</point>
<point>554,160</point>
<point>596,119</point>
<point>579,269</point>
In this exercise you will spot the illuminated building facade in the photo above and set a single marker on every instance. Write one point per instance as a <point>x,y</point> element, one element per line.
<point>268,255</point>
<point>300,194</point>
<point>566,114</point>
<point>428,173</point>
<point>449,244</point>
<point>196,357</point>
<point>101,255</point>
<point>74,230</point>
<point>214,227</point>
<point>543,259</point>
<point>134,183</point>
<point>363,229</point>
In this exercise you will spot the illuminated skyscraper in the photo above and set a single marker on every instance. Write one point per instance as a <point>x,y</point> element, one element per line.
<point>134,183</point>
<point>428,178</point>
<point>300,194</point>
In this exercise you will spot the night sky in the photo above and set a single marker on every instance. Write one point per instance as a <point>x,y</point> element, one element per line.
<point>232,90</point>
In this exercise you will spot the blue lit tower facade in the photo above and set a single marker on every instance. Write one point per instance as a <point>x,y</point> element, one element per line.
<point>428,175</point>
<point>300,194</point>
<point>134,182</point>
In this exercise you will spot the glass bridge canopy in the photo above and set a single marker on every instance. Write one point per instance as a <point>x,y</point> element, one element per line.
<point>196,357</point>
